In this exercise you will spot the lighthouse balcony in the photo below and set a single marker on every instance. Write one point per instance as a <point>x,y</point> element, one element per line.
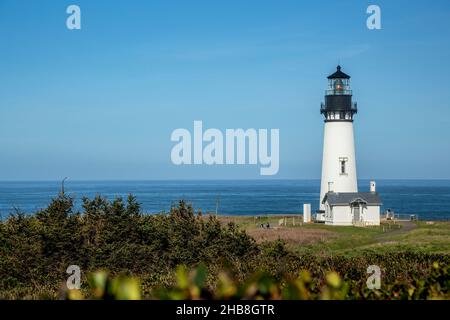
<point>331,109</point>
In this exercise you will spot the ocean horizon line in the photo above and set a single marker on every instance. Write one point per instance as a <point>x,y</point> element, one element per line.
<point>212,179</point>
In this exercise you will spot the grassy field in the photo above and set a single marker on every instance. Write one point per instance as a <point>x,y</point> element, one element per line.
<point>431,237</point>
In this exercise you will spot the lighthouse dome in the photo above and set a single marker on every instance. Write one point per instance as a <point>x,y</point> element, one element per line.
<point>339,74</point>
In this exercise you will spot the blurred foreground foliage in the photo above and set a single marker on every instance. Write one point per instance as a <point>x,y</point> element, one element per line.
<point>184,255</point>
<point>192,285</point>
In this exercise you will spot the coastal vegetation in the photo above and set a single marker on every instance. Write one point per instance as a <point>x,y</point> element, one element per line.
<point>421,236</point>
<point>123,253</point>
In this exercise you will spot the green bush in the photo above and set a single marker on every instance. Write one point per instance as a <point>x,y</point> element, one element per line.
<point>192,285</point>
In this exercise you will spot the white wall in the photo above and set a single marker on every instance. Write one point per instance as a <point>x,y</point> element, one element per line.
<point>371,215</point>
<point>338,142</point>
<point>343,216</point>
<point>340,216</point>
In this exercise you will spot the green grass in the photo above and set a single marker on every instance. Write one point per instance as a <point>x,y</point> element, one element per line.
<point>429,238</point>
<point>346,240</point>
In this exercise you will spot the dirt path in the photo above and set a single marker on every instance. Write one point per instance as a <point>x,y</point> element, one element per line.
<point>407,226</point>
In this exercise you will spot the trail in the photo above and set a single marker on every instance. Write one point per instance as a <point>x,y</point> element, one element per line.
<point>407,226</point>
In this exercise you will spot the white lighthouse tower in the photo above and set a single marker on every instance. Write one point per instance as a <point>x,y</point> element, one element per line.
<point>340,201</point>
<point>338,162</point>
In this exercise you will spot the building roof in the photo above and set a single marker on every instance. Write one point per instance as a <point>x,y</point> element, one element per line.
<point>339,74</point>
<point>346,198</point>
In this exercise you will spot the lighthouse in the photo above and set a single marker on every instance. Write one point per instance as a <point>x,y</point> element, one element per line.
<point>338,160</point>
<point>340,201</point>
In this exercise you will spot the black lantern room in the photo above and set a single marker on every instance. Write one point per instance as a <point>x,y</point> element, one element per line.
<point>338,104</point>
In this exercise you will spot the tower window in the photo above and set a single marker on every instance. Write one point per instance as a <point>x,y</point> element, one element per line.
<point>343,166</point>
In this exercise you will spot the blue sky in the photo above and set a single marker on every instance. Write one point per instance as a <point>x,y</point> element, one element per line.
<point>101,102</point>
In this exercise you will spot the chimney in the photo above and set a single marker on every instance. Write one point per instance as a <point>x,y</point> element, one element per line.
<point>373,186</point>
<point>330,186</point>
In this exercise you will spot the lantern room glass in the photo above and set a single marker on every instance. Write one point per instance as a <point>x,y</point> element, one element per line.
<point>339,87</point>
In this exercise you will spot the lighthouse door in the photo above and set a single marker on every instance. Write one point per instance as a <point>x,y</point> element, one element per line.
<point>356,213</point>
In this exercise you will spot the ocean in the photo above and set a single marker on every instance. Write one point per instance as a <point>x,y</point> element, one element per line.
<point>430,199</point>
